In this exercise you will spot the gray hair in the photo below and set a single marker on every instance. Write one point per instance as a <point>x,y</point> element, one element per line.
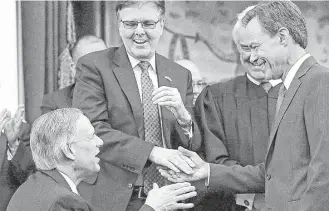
<point>160,4</point>
<point>274,15</point>
<point>238,23</point>
<point>51,134</point>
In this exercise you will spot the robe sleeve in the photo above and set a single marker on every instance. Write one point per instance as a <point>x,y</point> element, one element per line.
<point>209,117</point>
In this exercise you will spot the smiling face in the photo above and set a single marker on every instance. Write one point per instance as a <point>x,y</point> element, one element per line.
<point>141,43</point>
<point>86,147</point>
<point>262,55</point>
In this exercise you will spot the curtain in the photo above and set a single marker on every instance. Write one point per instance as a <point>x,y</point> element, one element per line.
<point>97,18</point>
<point>106,22</point>
<point>43,40</point>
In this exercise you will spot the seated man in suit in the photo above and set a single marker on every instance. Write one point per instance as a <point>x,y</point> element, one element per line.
<point>15,159</point>
<point>63,98</point>
<point>64,148</point>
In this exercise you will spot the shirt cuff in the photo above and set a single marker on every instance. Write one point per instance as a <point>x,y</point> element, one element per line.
<point>246,200</point>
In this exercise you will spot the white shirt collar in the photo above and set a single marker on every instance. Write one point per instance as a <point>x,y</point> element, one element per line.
<point>70,182</point>
<point>134,62</point>
<point>293,70</point>
<point>272,82</point>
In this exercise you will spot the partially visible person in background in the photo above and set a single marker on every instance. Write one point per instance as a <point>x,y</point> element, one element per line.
<point>15,159</point>
<point>63,98</point>
<point>198,82</point>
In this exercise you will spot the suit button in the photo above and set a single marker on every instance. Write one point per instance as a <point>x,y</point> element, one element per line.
<point>268,176</point>
<point>246,202</point>
<point>130,185</point>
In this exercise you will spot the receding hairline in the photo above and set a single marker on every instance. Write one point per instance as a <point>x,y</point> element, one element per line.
<point>238,25</point>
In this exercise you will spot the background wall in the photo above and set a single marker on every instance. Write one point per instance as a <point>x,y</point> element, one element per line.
<point>207,26</point>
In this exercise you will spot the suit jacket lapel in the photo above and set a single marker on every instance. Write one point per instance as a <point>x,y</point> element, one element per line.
<point>57,177</point>
<point>126,78</point>
<point>295,84</point>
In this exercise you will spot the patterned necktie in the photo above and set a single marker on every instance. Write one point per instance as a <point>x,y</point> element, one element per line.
<point>151,125</point>
<point>266,86</point>
<point>282,92</point>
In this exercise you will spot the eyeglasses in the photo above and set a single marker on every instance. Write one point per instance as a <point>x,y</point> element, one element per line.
<point>145,24</point>
<point>199,83</point>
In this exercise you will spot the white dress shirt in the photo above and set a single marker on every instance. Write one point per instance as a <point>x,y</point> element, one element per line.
<point>70,182</point>
<point>272,82</point>
<point>293,70</point>
<point>154,78</point>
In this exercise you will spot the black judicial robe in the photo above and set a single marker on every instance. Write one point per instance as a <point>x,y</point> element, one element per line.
<point>238,114</point>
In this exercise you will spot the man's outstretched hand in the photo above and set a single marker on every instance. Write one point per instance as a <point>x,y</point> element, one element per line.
<point>170,197</point>
<point>4,118</point>
<point>172,159</point>
<point>200,169</point>
<point>13,127</point>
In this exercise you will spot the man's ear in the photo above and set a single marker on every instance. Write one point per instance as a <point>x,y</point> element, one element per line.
<point>283,34</point>
<point>69,153</point>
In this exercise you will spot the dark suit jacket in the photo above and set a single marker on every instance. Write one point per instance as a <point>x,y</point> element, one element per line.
<point>59,99</point>
<point>238,115</point>
<point>14,172</point>
<point>295,174</point>
<point>106,91</point>
<point>47,190</point>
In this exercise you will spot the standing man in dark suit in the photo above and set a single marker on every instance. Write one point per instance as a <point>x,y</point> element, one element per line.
<point>136,99</point>
<point>239,114</point>
<point>15,158</point>
<point>295,174</point>
<point>63,98</point>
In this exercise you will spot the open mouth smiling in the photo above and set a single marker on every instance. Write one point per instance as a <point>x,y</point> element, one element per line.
<point>259,64</point>
<point>139,42</point>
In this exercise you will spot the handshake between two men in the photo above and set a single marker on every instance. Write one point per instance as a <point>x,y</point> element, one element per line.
<point>180,167</point>
<point>183,165</point>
